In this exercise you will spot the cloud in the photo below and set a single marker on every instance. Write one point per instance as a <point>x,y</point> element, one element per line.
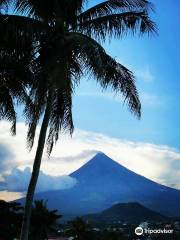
<point>10,196</point>
<point>17,181</point>
<point>144,74</point>
<point>6,157</point>
<point>86,154</point>
<point>103,94</point>
<point>159,163</point>
<point>150,100</point>
<point>147,99</point>
<point>15,147</point>
<point>5,152</point>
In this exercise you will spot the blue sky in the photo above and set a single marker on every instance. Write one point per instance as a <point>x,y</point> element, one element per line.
<point>155,62</point>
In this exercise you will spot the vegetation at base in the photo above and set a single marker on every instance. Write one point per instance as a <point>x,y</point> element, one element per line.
<point>45,224</point>
<point>10,220</point>
<point>43,220</point>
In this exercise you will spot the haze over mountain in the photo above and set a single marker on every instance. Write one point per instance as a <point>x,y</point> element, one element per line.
<point>102,182</point>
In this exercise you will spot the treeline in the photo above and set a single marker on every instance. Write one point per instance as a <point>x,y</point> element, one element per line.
<point>46,223</point>
<point>43,221</point>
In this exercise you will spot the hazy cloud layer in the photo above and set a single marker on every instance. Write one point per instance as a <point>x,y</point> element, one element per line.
<point>17,181</point>
<point>85,154</point>
<point>159,163</point>
<point>144,74</point>
<point>6,157</point>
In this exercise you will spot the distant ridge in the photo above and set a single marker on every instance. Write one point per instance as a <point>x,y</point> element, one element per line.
<point>125,212</point>
<point>102,182</point>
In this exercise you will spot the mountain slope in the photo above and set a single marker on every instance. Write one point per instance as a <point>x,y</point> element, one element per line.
<point>125,212</point>
<point>102,182</point>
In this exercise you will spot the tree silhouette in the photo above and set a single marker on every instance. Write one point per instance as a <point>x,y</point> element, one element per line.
<point>60,43</point>
<point>43,221</point>
<point>10,220</point>
<point>79,229</point>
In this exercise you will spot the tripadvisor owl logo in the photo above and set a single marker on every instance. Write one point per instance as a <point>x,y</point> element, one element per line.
<point>139,231</point>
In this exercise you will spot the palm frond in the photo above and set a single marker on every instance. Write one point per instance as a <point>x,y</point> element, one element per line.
<point>35,106</point>
<point>106,70</point>
<point>50,10</point>
<point>24,27</point>
<point>17,68</point>
<point>15,74</point>
<point>3,6</point>
<point>36,9</point>
<point>115,25</point>
<point>58,76</point>
<point>7,110</point>
<point>61,114</point>
<point>112,6</point>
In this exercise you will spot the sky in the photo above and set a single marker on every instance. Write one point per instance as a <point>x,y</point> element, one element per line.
<point>155,63</point>
<point>149,146</point>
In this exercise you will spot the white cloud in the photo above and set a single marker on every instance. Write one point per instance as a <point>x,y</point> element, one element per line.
<point>103,94</point>
<point>147,99</point>
<point>144,74</point>
<point>6,156</point>
<point>150,100</point>
<point>17,181</point>
<point>159,163</point>
<point>10,196</point>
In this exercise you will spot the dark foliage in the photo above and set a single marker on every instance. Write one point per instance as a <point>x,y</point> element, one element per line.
<point>80,229</point>
<point>43,221</point>
<point>10,220</point>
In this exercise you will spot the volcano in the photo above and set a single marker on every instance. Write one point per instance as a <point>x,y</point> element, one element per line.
<point>102,182</point>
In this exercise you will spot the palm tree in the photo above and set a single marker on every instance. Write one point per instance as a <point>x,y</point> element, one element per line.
<point>43,220</point>
<point>65,44</point>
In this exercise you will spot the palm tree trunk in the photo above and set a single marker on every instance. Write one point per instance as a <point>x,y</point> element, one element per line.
<point>35,172</point>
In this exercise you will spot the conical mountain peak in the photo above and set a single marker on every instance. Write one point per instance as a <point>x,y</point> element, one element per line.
<point>99,165</point>
<point>101,157</point>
